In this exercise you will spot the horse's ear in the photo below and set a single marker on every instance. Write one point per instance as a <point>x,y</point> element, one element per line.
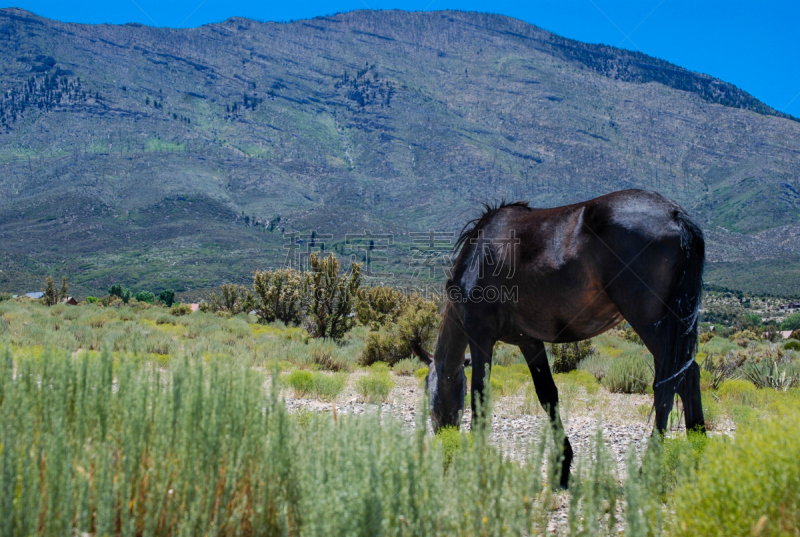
<point>421,353</point>
<point>468,360</point>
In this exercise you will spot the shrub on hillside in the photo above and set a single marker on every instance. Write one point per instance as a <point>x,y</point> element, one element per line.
<point>597,364</point>
<point>738,391</point>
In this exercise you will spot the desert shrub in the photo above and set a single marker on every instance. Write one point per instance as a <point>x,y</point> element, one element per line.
<point>507,381</point>
<point>241,464</point>
<point>300,381</point>
<point>327,356</point>
<point>680,458</point>
<point>776,376</point>
<point>743,337</point>
<point>166,319</point>
<point>596,364</point>
<point>795,334</point>
<point>792,345</point>
<point>565,356</point>
<point>738,391</point>
<point>580,378</point>
<point>282,295</point>
<point>421,373</point>
<point>378,306</point>
<point>233,299</point>
<point>406,367</point>
<point>91,300</point>
<point>4,325</point>
<point>712,412</point>
<point>384,345</point>
<point>5,296</point>
<point>630,373</point>
<point>419,321</point>
<point>179,310</point>
<point>450,439</point>
<point>743,487</point>
<point>145,296</point>
<point>506,355</point>
<point>375,386</point>
<point>332,296</point>
<point>705,337</point>
<point>630,335</point>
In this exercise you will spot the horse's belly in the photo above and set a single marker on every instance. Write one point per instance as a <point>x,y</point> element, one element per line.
<point>567,316</point>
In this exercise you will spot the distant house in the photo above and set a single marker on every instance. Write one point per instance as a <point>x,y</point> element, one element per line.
<point>36,296</point>
<point>786,334</point>
<point>791,306</point>
<point>70,301</point>
<point>194,307</point>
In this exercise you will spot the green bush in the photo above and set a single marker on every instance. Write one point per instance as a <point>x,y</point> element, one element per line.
<point>565,356</point>
<point>120,292</point>
<point>406,367</point>
<point>418,321</point>
<point>301,382</point>
<point>179,310</point>
<point>745,487</point>
<point>792,322</point>
<point>282,294</point>
<point>145,296</point>
<point>91,300</point>
<point>597,365</point>
<point>5,296</point>
<point>629,374</point>
<point>792,345</point>
<point>332,297</point>
<point>375,386</point>
<point>738,391</point>
<point>166,319</point>
<point>167,297</point>
<point>379,306</point>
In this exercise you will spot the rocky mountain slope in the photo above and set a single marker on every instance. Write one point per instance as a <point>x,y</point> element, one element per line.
<point>159,157</point>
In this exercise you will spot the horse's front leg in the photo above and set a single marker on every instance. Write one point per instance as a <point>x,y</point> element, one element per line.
<point>536,358</point>
<point>480,348</point>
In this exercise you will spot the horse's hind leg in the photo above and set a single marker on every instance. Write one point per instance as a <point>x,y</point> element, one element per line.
<point>689,390</point>
<point>546,390</point>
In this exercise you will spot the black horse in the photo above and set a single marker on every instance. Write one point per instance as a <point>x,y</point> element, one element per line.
<point>525,276</point>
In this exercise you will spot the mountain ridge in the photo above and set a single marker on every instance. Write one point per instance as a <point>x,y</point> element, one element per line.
<point>203,143</point>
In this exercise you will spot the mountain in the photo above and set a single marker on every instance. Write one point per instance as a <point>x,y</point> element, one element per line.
<point>160,157</point>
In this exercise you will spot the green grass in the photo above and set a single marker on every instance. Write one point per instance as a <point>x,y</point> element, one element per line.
<point>375,386</point>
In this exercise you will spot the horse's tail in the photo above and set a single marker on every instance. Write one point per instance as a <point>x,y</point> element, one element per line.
<point>679,326</point>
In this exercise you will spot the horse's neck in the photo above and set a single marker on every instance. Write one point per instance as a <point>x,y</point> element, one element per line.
<point>452,340</point>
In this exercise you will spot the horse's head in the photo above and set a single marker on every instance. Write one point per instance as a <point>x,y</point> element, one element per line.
<point>446,388</point>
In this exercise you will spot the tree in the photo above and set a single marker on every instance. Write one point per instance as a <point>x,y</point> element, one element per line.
<point>120,292</point>
<point>64,289</point>
<point>145,296</point>
<point>167,297</point>
<point>792,322</point>
<point>330,314</point>
<point>50,297</point>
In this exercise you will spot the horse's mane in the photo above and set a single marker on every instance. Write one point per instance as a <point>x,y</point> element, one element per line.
<point>471,228</point>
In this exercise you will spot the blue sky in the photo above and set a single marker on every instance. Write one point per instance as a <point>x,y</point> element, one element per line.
<point>755,45</point>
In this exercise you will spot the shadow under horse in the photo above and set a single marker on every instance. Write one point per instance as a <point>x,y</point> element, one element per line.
<point>527,276</point>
